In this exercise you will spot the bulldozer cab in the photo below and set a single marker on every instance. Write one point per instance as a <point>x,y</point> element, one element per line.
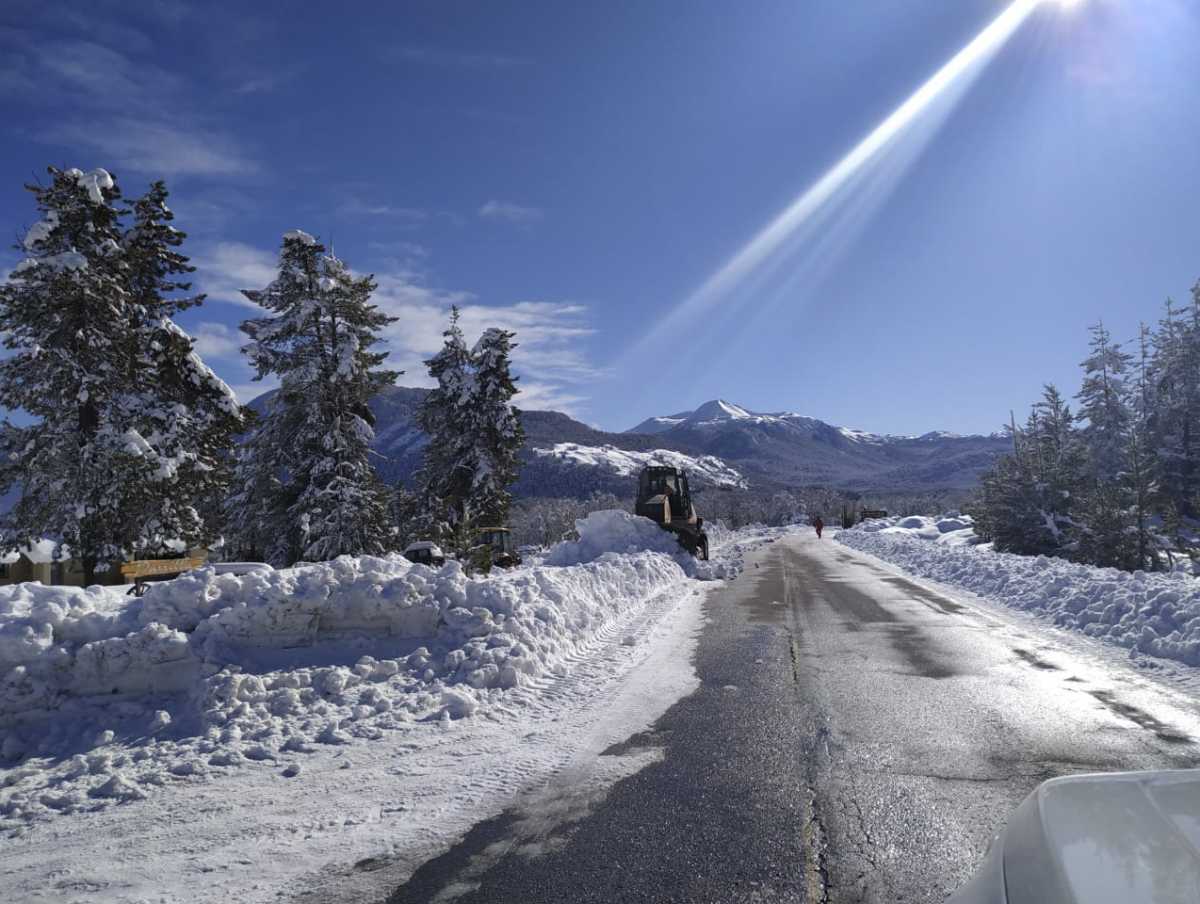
<point>494,546</point>
<point>498,539</point>
<point>666,481</point>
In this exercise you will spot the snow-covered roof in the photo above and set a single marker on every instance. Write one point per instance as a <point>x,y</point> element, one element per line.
<point>420,545</point>
<point>241,567</point>
<point>40,552</point>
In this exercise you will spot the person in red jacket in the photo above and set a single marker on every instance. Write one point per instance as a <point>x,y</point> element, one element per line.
<point>819,525</point>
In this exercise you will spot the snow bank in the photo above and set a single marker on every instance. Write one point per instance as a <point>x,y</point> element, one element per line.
<point>609,533</point>
<point>703,469</point>
<point>612,532</point>
<point>112,695</point>
<point>952,529</point>
<point>1158,614</point>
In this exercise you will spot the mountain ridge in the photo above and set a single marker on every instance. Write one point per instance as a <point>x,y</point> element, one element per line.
<point>718,411</point>
<point>770,451</point>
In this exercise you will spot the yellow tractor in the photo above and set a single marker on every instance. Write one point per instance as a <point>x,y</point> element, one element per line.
<point>665,498</point>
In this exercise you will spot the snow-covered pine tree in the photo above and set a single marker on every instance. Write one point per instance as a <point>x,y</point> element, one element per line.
<point>187,415</point>
<point>1104,407</point>
<point>1058,461</point>
<point>131,428</point>
<point>1103,513</point>
<point>316,436</point>
<point>65,313</point>
<point>1026,500</point>
<point>1139,453</point>
<point>450,460</point>
<point>407,516</point>
<point>257,503</point>
<point>1008,507</point>
<point>496,432</point>
<point>1176,366</point>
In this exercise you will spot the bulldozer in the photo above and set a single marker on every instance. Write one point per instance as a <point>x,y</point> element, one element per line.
<point>665,498</point>
<point>494,547</point>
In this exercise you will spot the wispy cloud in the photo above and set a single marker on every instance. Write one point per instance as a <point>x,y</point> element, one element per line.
<point>266,82</point>
<point>549,356</point>
<point>507,211</point>
<point>551,336</point>
<point>224,269</point>
<point>357,207</point>
<point>158,148</point>
<point>103,76</point>
<point>92,91</point>
<point>220,345</point>
<point>211,210</point>
<point>456,59</point>
<point>217,340</point>
<point>399,255</point>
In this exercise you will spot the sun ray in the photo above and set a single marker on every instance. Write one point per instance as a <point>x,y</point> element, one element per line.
<point>821,199</point>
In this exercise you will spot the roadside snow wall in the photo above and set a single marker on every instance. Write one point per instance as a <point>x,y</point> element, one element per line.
<point>1158,614</point>
<point>216,669</point>
<point>953,529</point>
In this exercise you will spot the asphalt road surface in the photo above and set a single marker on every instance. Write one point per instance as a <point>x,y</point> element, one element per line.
<point>857,736</point>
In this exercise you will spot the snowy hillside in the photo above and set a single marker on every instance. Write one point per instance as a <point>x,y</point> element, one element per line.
<point>704,470</point>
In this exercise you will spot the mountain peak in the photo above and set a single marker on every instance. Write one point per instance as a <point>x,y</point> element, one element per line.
<point>719,409</point>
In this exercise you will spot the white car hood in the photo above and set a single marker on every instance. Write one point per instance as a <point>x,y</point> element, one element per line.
<point>1094,839</point>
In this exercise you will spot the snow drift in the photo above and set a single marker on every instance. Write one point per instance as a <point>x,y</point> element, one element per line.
<point>1157,614</point>
<point>953,528</point>
<point>108,696</point>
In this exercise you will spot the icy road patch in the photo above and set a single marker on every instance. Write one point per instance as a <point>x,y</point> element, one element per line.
<point>234,737</point>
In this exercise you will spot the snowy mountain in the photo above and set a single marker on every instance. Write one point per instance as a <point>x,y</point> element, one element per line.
<point>715,415</point>
<point>721,443</point>
<point>785,447</point>
<point>720,415</point>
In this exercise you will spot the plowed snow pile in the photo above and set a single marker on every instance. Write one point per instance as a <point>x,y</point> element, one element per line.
<point>103,697</point>
<point>952,529</point>
<point>1157,614</point>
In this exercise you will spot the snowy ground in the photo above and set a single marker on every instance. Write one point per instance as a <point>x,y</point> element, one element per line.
<point>249,737</point>
<point>1149,614</point>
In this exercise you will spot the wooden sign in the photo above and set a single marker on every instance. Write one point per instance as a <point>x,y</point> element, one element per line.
<point>144,568</point>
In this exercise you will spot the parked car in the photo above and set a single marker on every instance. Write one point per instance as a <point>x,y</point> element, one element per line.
<point>1097,839</point>
<point>425,552</point>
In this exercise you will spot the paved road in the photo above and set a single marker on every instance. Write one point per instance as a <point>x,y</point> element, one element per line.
<point>856,737</point>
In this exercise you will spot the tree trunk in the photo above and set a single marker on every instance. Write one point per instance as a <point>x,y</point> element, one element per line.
<point>89,421</point>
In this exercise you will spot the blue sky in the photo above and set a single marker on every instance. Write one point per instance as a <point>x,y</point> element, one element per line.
<point>575,171</point>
